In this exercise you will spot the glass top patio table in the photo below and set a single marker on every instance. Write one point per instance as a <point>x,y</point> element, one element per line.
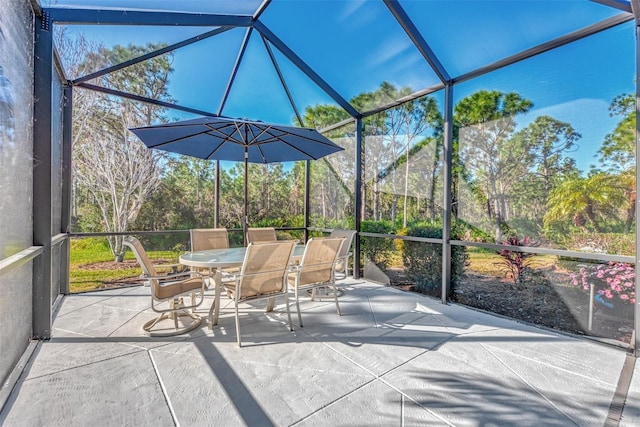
<point>223,258</point>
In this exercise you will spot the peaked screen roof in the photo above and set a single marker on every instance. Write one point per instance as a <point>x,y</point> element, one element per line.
<point>269,60</point>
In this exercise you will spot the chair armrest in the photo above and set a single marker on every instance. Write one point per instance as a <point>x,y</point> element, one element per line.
<point>167,265</point>
<point>175,268</point>
<point>174,275</point>
<point>228,277</point>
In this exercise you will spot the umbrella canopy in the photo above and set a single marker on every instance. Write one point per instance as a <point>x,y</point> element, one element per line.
<point>239,140</point>
<point>219,138</point>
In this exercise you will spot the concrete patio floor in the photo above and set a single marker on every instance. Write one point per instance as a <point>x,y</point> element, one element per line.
<point>392,359</point>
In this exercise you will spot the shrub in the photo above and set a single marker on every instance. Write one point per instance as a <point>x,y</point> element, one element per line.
<point>517,262</point>
<point>610,243</point>
<point>423,261</point>
<point>471,233</point>
<point>322,222</point>
<point>613,281</point>
<point>525,226</point>
<point>379,250</point>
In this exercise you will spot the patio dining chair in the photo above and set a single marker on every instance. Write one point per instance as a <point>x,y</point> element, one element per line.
<point>208,238</point>
<point>261,234</point>
<point>263,276</point>
<point>316,269</point>
<point>342,264</point>
<point>168,293</point>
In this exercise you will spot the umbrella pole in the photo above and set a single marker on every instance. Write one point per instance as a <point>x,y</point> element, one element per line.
<point>245,222</point>
<point>216,213</point>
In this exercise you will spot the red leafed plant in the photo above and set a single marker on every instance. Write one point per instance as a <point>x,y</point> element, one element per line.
<point>517,262</point>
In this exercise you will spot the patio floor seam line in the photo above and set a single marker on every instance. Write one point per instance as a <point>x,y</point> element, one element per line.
<point>165,393</point>
<point>405,395</point>
<point>126,344</point>
<point>529,385</point>
<point>334,401</point>
<point>547,365</point>
<point>621,393</point>
<point>382,379</point>
<point>79,294</point>
<point>76,309</point>
<point>596,340</point>
<point>137,313</point>
<point>84,365</point>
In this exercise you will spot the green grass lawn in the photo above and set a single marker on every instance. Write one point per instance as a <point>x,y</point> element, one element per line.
<point>92,264</point>
<point>492,264</point>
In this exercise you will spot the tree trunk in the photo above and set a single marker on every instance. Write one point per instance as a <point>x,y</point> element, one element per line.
<point>323,198</point>
<point>631,213</point>
<point>376,201</point>
<point>406,189</point>
<point>432,196</point>
<point>592,218</point>
<point>394,207</point>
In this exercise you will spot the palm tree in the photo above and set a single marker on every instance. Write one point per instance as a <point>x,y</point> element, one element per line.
<point>586,201</point>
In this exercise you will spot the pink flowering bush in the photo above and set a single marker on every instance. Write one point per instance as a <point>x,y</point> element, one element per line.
<point>613,281</point>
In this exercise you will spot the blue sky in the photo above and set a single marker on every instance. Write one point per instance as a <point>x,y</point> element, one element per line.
<point>575,83</point>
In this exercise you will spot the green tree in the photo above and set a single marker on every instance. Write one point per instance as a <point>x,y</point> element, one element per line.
<point>332,178</point>
<point>618,151</point>
<point>547,142</point>
<point>269,191</point>
<point>389,140</point>
<point>115,168</point>
<point>185,198</point>
<point>585,201</point>
<point>404,124</point>
<point>483,125</point>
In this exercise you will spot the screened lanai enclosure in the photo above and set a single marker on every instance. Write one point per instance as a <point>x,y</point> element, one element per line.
<point>489,147</point>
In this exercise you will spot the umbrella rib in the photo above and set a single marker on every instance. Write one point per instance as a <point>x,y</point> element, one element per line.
<point>171,141</point>
<point>277,138</point>
<point>257,144</point>
<point>246,134</point>
<point>226,137</point>
<point>316,141</point>
<point>170,126</point>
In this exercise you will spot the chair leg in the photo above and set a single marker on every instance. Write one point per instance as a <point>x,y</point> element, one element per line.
<point>271,303</point>
<point>335,297</point>
<point>298,307</point>
<point>174,313</point>
<point>288,312</point>
<point>237,325</point>
<point>346,268</point>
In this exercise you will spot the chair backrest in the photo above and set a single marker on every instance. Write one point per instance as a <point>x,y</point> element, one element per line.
<point>145,263</point>
<point>141,255</point>
<point>346,247</point>
<point>262,234</point>
<point>265,268</point>
<point>318,260</point>
<point>209,238</point>
<point>348,240</point>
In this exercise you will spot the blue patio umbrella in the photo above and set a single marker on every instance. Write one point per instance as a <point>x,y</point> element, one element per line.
<point>238,140</point>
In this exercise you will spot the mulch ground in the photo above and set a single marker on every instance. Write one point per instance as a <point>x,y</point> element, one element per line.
<point>555,306</point>
<point>125,266</point>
